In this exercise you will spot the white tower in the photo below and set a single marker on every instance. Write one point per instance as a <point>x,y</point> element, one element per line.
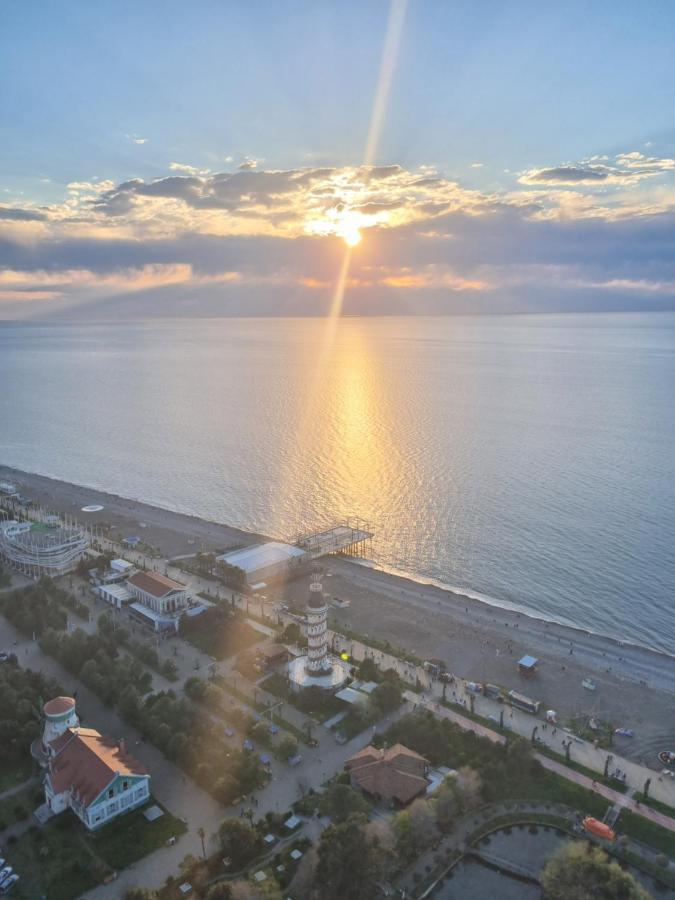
<point>59,715</point>
<point>318,668</point>
<point>318,662</point>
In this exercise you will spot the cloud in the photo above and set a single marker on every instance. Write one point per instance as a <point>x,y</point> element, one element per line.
<point>261,240</point>
<point>248,164</point>
<point>21,215</point>
<point>627,169</point>
<point>187,169</point>
<point>135,139</point>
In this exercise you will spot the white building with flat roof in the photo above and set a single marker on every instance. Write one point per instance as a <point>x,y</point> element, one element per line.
<point>262,563</point>
<point>115,594</point>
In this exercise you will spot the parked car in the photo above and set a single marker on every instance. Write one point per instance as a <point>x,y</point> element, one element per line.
<point>4,656</point>
<point>5,873</point>
<point>8,883</point>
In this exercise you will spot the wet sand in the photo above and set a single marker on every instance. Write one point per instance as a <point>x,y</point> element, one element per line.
<point>635,685</point>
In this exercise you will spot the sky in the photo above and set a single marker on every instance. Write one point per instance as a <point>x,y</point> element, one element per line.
<point>244,158</point>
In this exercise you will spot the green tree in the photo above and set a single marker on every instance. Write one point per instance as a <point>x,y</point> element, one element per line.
<point>368,671</point>
<point>446,806</point>
<point>585,872</point>
<point>291,633</point>
<point>141,894</point>
<point>387,696</point>
<point>239,841</point>
<point>202,835</point>
<point>350,861</point>
<point>341,801</point>
<point>219,891</point>
<point>287,747</point>
<point>468,785</point>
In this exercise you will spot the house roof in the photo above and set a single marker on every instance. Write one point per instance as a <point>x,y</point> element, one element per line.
<point>388,754</point>
<point>155,584</point>
<point>378,772</point>
<point>58,706</point>
<point>86,762</point>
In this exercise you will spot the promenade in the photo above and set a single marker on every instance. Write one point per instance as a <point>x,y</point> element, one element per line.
<point>616,798</point>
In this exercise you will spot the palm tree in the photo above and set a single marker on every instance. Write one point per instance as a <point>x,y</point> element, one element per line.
<point>202,835</point>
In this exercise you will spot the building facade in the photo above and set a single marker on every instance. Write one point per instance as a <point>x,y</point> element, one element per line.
<point>94,776</point>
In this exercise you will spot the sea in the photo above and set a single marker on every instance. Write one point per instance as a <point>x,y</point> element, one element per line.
<point>526,460</point>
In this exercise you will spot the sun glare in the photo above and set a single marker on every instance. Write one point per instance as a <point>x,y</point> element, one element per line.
<point>344,223</point>
<point>351,237</point>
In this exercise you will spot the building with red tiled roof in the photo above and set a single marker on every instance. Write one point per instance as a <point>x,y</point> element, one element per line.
<point>395,775</point>
<point>163,597</point>
<point>93,775</point>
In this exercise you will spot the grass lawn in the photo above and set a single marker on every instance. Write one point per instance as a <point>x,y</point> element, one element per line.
<point>321,708</point>
<point>16,772</point>
<point>53,861</point>
<point>234,637</point>
<point>20,805</point>
<point>130,838</point>
<point>655,804</point>
<point>643,830</point>
<point>63,859</point>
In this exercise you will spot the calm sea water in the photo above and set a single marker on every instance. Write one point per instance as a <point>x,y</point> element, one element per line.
<point>527,459</point>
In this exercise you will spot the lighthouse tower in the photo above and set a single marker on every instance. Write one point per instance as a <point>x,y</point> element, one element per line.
<point>59,715</point>
<point>318,662</point>
<point>318,668</point>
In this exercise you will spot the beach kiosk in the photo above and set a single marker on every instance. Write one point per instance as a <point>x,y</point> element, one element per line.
<point>527,666</point>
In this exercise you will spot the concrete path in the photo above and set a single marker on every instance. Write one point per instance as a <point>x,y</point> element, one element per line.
<point>36,779</point>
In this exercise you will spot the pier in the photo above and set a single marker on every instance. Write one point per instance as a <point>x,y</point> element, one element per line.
<point>350,538</point>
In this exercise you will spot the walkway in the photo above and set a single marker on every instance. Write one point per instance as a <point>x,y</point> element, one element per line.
<point>615,797</point>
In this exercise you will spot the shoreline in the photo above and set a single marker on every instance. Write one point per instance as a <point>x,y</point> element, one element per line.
<point>505,606</point>
<point>478,640</point>
<point>209,530</point>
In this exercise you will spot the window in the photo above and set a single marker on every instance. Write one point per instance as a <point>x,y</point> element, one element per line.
<point>125,785</point>
<point>111,793</point>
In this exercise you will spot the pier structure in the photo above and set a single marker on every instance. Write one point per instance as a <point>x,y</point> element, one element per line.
<point>352,537</point>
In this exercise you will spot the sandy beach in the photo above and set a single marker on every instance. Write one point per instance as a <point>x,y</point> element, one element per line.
<point>635,685</point>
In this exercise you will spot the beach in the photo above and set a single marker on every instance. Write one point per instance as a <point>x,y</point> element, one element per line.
<point>479,641</point>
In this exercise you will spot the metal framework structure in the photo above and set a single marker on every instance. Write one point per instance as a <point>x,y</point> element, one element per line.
<point>349,538</point>
<point>47,545</point>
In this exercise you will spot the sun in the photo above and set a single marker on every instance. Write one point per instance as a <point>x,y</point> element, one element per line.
<point>342,222</point>
<point>351,236</point>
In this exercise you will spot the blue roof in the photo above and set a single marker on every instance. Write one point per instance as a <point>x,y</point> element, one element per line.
<point>528,662</point>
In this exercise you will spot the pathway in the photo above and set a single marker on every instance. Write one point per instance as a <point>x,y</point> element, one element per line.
<point>615,797</point>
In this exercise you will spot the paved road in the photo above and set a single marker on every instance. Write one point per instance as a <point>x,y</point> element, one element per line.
<point>169,785</point>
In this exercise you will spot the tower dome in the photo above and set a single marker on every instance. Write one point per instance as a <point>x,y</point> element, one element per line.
<point>59,715</point>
